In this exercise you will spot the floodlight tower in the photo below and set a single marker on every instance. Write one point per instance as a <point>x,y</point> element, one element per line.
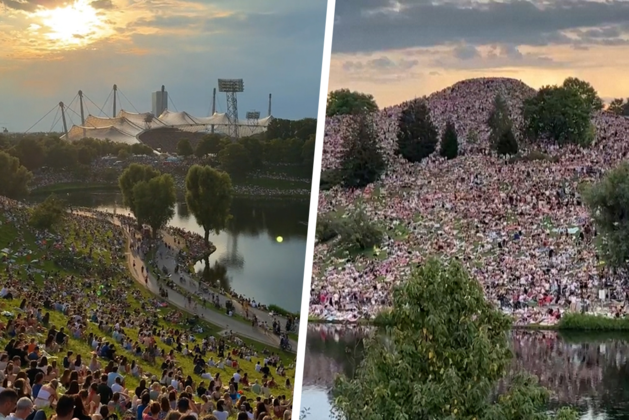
<point>231,87</point>
<point>253,117</point>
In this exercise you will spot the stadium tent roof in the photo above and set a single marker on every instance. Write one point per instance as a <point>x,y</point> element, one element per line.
<point>112,133</point>
<point>127,126</point>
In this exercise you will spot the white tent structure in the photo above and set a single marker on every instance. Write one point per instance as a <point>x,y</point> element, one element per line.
<point>127,126</point>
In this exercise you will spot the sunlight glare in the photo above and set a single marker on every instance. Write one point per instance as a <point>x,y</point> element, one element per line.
<point>76,24</point>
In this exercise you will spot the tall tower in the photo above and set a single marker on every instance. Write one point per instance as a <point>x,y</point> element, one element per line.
<point>159,102</point>
<point>231,87</point>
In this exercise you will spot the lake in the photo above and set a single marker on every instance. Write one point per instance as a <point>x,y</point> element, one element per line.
<point>249,258</point>
<point>589,371</point>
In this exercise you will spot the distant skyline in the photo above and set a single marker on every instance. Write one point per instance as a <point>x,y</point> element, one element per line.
<point>398,50</point>
<point>51,49</point>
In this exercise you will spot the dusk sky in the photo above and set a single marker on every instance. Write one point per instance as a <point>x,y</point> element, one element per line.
<point>49,49</point>
<point>398,50</point>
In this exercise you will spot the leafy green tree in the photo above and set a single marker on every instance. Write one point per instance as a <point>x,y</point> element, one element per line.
<point>123,154</point>
<point>279,128</point>
<point>501,137</point>
<point>362,161</point>
<point>48,213</point>
<point>507,144</point>
<point>209,196</point>
<point>308,151</point>
<point>608,201</point>
<point>184,148</point>
<point>14,178</point>
<point>346,102</point>
<point>155,201</point>
<point>61,155</point>
<point>141,149</point>
<point>130,177</point>
<point>211,143</point>
<point>439,354</point>
<point>586,91</point>
<point>559,114</point>
<point>255,149</point>
<point>449,142</point>
<point>417,136</point>
<point>619,107</point>
<point>235,159</point>
<point>30,152</point>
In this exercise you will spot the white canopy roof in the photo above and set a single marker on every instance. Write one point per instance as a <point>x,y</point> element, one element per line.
<point>127,126</point>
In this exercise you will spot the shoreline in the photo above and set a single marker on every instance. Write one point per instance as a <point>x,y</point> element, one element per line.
<point>572,322</point>
<point>68,187</point>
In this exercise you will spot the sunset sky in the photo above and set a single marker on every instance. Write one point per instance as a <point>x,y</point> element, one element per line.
<point>397,50</point>
<point>49,49</point>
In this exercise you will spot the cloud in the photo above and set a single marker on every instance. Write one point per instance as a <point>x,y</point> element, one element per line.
<point>465,52</point>
<point>380,25</point>
<point>102,4</point>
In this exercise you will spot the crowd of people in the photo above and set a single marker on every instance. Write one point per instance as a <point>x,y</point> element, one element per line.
<point>77,340</point>
<point>106,171</point>
<point>520,228</point>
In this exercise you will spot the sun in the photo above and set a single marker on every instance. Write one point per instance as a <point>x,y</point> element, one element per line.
<point>76,24</point>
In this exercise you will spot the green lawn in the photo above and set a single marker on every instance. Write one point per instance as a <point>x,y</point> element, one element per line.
<point>73,234</point>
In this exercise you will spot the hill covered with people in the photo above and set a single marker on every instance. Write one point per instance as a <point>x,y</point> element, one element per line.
<point>518,222</point>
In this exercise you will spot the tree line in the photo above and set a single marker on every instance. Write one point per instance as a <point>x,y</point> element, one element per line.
<point>558,114</point>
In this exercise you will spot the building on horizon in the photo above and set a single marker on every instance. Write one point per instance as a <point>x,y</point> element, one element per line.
<point>159,102</point>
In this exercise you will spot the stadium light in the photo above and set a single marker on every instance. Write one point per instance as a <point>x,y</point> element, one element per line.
<point>253,115</point>
<point>231,85</point>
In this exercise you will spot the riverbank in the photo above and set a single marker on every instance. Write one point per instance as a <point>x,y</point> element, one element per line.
<point>94,251</point>
<point>568,322</point>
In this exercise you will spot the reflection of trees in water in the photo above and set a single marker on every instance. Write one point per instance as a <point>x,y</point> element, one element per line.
<point>588,370</point>
<point>216,274</point>
<point>275,217</point>
<point>182,210</point>
<point>331,350</point>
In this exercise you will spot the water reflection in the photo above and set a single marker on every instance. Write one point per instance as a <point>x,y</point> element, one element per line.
<point>590,371</point>
<point>248,258</point>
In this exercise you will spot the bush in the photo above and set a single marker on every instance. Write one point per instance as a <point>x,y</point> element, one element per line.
<point>327,228</point>
<point>358,232</point>
<point>577,321</point>
<point>48,213</point>
<point>329,179</point>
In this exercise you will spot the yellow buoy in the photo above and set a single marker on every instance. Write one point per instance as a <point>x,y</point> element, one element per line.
<point>279,239</point>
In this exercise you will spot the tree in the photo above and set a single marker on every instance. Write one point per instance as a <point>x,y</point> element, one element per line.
<point>449,142</point>
<point>211,143</point>
<point>48,213</point>
<point>130,177</point>
<point>308,151</point>
<point>585,91</point>
<point>417,136</point>
<point>14,178</point>
<point>507,145</point>
<point>184,148</point>
<point>155,201</point>
<point>208,196</point>
<point>619,107</point>
<point>123,154</point>
<point>362,161</point>
<point>438,354</point>
<point>608,201</point>
<point>30,152</point>
<point>235,159</point>
<point>345,102</point>
<point>255,149</point>
<point>559,114</point>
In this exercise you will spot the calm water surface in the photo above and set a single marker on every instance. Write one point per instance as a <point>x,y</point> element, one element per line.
<point>588,371</point>
<point>249,259</point>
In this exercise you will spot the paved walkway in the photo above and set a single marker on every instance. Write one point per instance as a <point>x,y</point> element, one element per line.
<point>191,285</point>
<point>177,299</point>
